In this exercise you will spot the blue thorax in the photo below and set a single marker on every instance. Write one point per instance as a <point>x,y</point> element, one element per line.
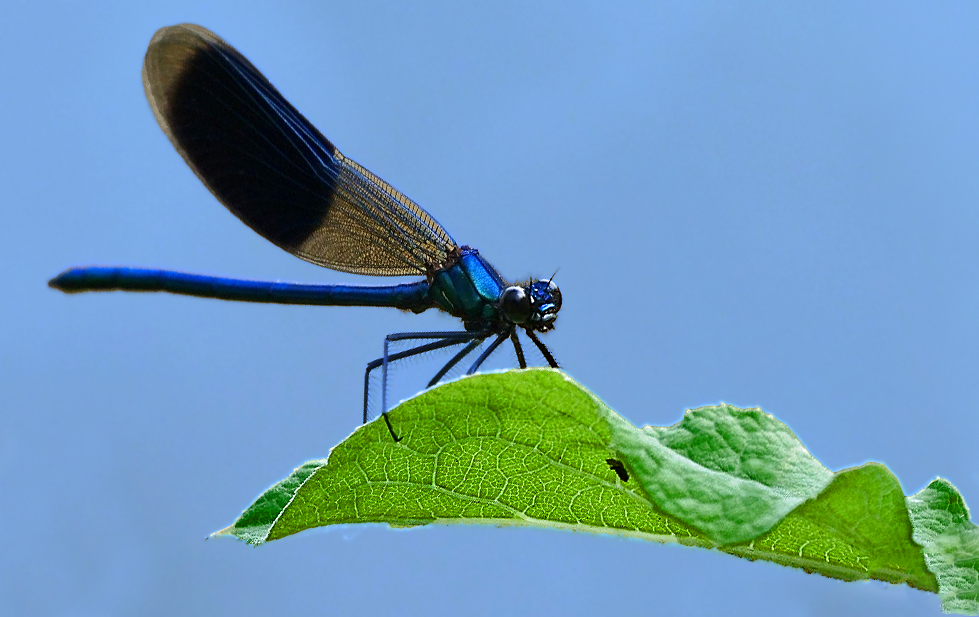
<point>469,288</point>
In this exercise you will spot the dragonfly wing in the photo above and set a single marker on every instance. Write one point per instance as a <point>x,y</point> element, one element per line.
<point>273,169</point>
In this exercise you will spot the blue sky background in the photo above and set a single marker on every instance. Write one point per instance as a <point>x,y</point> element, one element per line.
<point>761,203</point>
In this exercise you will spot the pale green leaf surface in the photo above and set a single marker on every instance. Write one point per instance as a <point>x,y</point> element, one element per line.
<point>532,447</point>
<point>732,473</point>
<point>951,544</point>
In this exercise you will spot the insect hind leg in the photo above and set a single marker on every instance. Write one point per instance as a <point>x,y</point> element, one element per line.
<point>444,339</point>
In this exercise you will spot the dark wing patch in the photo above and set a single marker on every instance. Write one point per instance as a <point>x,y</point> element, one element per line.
<point>273,169</point>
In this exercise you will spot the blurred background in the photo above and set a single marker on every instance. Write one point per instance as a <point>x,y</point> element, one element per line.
<point>758,203</point>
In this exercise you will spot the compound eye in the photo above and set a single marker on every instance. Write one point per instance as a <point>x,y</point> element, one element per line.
<point>555,294</point>
<point>515,304</point>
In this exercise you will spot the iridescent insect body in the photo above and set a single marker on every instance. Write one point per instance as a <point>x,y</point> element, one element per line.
<point>277,173</point>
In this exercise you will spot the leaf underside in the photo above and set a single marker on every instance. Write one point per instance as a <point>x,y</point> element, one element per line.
<point>532,447</point>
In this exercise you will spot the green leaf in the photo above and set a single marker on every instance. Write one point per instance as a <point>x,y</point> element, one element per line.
<point>534,448</point>
<point>732,473</point>
<point>857,528</point>
<point>951,544</point>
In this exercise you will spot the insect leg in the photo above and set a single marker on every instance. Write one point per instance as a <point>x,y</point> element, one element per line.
<point>543,349</point>
<point>482,357</point>
<point>516,347</point>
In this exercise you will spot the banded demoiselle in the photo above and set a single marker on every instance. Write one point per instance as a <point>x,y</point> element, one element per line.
<point>277,173</point>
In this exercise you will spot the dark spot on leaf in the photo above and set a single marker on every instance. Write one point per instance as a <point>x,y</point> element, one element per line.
<point>619,468</point>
